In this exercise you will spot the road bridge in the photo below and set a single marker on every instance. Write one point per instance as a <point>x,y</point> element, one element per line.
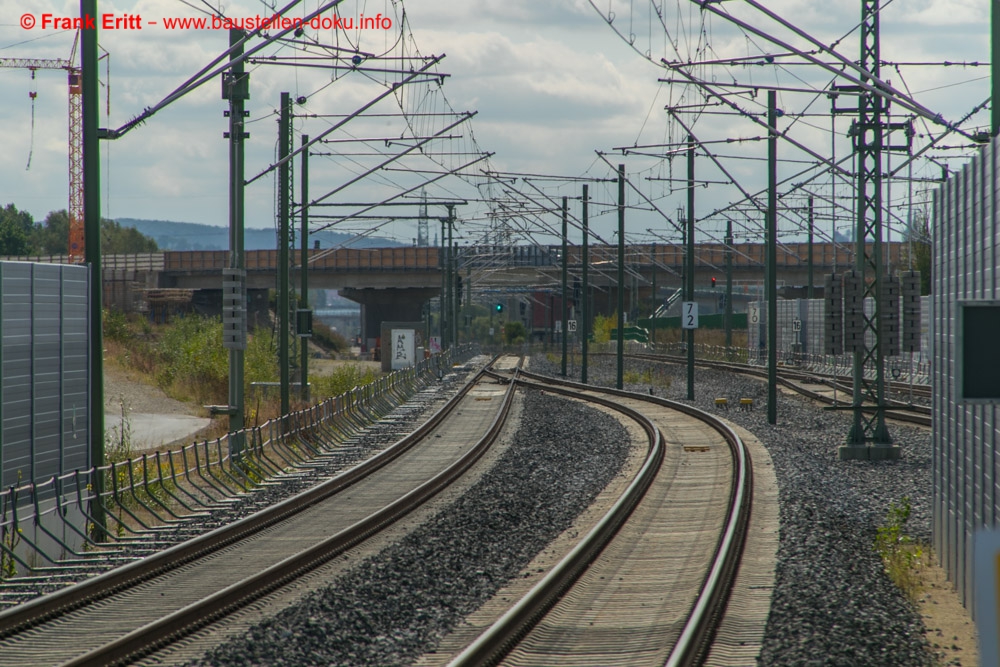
<point>395,283</point>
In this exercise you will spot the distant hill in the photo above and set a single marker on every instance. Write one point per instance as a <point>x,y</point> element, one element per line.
<point>193,236</point>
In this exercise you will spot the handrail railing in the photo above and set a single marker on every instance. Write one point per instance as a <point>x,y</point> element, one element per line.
<point>51,522</point>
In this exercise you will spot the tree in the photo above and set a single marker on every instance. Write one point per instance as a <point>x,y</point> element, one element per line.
<point>514,333</point>
<point>118,240</point>
<point>13,240</point>
<point>20,235</point>
<point>16,229</point>
<point>602,327</point>
<point>919,238</point>
<point>52,236</point>
<point>481,326</point>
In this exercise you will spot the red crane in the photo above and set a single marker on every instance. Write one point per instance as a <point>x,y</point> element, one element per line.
<point>76,234</point>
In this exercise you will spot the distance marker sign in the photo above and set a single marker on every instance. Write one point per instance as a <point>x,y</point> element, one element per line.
<point>689,315</point>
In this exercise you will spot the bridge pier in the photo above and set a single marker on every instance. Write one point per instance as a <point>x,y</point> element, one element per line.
<point>396,304</point>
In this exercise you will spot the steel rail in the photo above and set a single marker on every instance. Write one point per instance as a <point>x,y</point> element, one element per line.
<point>695,640</point>
<point>42,609</point>
<point>185,621</point>
<point>923,390</point>
<point>699,629</point>
<point>913,414</point>
<point>491,646</point>
<point>816,377</point>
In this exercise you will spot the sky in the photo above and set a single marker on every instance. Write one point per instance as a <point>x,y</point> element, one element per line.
<point>552,84</point>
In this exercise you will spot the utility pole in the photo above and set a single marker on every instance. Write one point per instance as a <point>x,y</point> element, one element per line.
<point>620,377</point>
<point>442,315</point>
<point>284,195</point>
<point>869,263</point>
<point>653,316</point>
<point>689,274</point>
<point>565,310</point>
<point>236,88</point>
<point>772,256</point>
<point>585,290</point>
<point>454,290</point>
<point>995,68</point>
<point>452,266</point>
<point>729,286</point>
<point>809,262</point>
<point>304,269</point>
<point>425,313</point>
<point>92,256</point>
<point>468,301</point>
<point>448,283</point>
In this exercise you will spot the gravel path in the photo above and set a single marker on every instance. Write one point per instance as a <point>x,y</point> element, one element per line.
<point>395,606</point>
<point>832,604</point>
<point>121,386</point>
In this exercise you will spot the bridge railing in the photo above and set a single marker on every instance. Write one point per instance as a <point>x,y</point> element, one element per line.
<point>790,256</point>
<point>43,523</point>
<point>406,258</point>
<point>139,262</point>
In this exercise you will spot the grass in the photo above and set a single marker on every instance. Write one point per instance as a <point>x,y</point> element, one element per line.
<point>185,357</point>
<point>341,379</point>
<point>10,536</point>
<point>328,339</point>
<point>647,377</point>
<point>901,556</point>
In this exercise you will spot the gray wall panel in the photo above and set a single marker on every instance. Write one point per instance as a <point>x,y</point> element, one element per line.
<point>44,358</point>
<point>965,465</point>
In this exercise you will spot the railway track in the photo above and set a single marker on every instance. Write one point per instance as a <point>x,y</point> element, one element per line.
<point>653,575</point>
<point>829,390</point>
<point>118,616</point>
<point>648,584</point>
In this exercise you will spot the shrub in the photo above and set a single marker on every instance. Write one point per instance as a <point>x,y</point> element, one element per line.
<point>260,359</point>
<point>603,326</point>
<point>193,362</point>
<point>514,333</point>
<point>328,339</point>
<point>901,556</point>
<point>117,327</point>
<point>340,380</point>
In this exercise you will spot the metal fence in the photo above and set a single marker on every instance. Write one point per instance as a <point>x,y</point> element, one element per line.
<point>800,341</point>
<point>53,520</point>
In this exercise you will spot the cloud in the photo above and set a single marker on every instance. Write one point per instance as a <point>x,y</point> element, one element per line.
<point>942,13</point>
<point>551,81</point>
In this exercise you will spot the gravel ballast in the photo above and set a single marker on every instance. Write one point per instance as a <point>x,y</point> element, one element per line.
<point>832,604</point>
<point>395,606</point>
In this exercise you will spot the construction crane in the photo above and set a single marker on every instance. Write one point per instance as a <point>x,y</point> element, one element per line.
<point>76,234</point>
